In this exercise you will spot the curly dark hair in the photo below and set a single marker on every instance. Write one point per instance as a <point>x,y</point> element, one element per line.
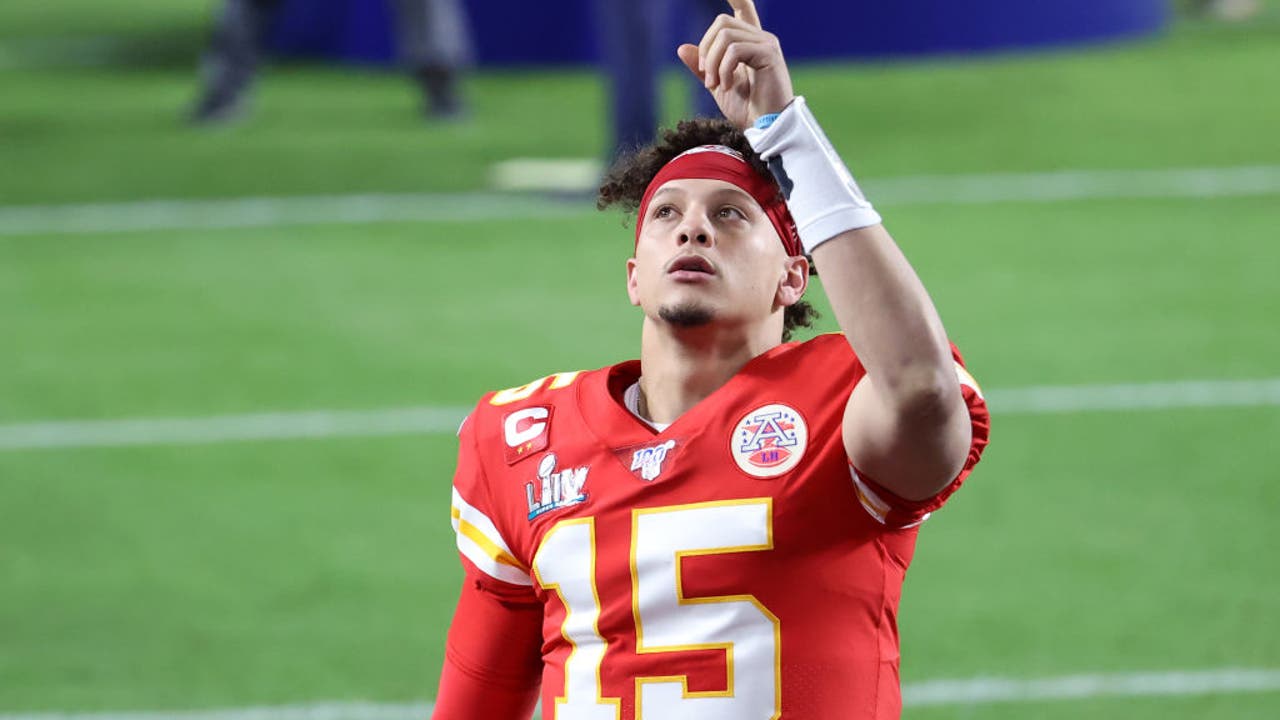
<point>624,185</point>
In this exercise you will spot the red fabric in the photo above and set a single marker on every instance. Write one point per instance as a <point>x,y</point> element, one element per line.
<point>493,665</point>
<point>831,577</point>
<point>904,512</point>
<point>717,162</point>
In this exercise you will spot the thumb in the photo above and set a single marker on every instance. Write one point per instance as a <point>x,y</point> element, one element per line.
<point>689,56</point>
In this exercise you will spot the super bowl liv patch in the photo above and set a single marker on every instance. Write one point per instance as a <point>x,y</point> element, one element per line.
<point>554,490</point>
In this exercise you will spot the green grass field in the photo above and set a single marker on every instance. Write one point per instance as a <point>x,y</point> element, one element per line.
<point>177,577</point>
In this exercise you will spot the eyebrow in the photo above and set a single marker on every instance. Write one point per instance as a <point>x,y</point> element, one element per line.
<point>734,192</point>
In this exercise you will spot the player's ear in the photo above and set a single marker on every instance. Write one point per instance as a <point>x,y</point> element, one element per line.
<point>633,287</point>
<point>794,281</point>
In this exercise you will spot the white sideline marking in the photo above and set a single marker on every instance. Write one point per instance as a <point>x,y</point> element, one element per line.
<point>1076,687</point>
<point>261,212</point>
<point>977,691</point>
<point>231,428</point>
<point>429,420</point>
<point>161,215</point>
<point>1077,185</point>
<point>1047,399</point>
<point>315,711</point>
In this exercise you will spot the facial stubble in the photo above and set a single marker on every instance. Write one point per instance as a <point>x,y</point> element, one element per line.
<point>686,314</point>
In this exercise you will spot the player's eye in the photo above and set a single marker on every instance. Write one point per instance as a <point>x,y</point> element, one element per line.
<point>729,212</point>
<point>664,211</point>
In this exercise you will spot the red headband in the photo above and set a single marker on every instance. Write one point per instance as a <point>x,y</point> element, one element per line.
<point>717,162</point>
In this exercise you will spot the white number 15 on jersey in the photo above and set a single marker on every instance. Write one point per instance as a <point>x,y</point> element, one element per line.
<point>665,620</point>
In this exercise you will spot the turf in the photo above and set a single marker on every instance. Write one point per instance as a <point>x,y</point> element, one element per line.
<point>274,572</point>
<point>1194,98</point>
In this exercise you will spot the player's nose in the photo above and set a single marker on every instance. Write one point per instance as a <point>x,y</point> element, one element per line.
<point>695,228</point>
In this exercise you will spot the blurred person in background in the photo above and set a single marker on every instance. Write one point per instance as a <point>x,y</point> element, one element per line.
<point>1231,10</point>
<point>432,40</point>
<point>721,529</point>
<point>633,48</point>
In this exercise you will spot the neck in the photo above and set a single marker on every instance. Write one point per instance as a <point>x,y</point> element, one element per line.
<point>682,366</point>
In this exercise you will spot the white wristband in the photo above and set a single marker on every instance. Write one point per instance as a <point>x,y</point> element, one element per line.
<point>823,197</point>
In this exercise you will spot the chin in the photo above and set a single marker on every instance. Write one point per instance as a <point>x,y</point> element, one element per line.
<point>687,314</point>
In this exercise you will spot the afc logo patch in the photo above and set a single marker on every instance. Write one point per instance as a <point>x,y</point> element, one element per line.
<point>526,432</point>
<point>769,441</point>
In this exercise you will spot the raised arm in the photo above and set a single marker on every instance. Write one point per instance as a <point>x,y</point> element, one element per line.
<point>906,424</point>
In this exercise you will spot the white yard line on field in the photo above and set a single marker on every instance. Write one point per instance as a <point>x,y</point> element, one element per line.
<point>173,215</point>
<point>427,420</point>
<point>231,428</point>
<point>1077,185</point>
<point>1044,399</point>
<point>314,711</point>
<point>977,691</point>
<point>265,212</point>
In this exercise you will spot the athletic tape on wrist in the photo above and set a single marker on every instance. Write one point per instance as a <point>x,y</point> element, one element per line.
<point>823,197</point>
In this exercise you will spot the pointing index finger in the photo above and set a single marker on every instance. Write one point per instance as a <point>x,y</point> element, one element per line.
<point>745,10</point>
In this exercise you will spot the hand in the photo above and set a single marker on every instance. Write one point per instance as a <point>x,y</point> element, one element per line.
<point>741,65</point>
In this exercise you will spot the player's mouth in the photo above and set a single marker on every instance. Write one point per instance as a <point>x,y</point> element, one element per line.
<point>691,268</point>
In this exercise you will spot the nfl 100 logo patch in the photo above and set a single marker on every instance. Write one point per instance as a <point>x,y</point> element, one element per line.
<point>769,441</point>
<point>647,462</point>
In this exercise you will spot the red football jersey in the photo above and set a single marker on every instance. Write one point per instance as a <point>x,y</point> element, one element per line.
<point>731,567</point>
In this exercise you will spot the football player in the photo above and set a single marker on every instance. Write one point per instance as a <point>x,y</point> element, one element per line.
<point>720,529</point>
